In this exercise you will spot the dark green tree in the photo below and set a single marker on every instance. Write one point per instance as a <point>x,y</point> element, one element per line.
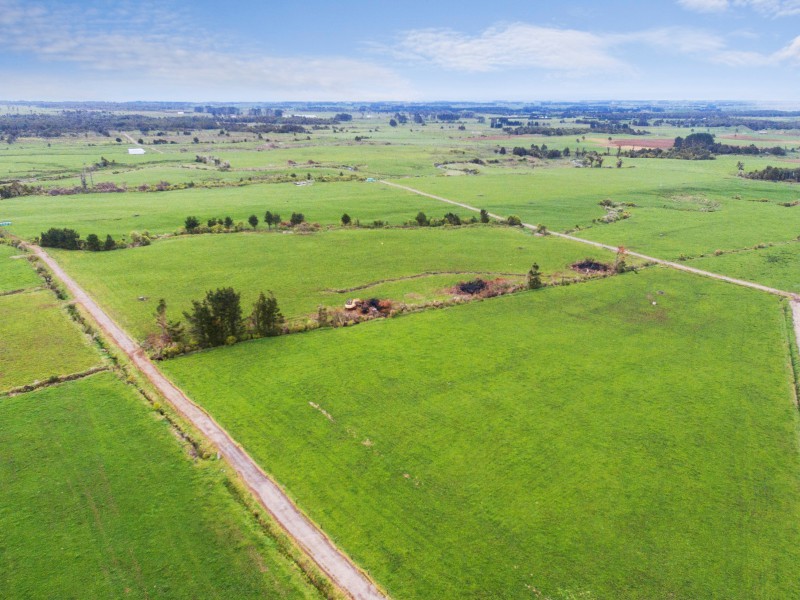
<point>535,278</point>
<point>484,216</point>
<point>422,219</point>
<point>228,223</point>
<point>109,244</point>
<point>297,218</point>
<point>452,219</point>
<point>93,242</point>
<point>68,239</point>
<point>346,219</point>
<point>191,223</point>
<point>217,319</point>
<point>268,219</point>
<point>266,318</point>
<point>253,220</point>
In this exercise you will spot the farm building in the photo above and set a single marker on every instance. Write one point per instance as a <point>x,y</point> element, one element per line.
<point>135,150</point>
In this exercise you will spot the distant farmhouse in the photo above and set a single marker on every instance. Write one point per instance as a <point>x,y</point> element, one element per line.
<point>135,150</point>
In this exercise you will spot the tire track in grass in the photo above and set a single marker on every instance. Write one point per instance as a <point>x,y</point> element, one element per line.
<point>312,540</point>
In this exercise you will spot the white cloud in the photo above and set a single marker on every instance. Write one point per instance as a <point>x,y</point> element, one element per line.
<point>156,49</point>
<point>571,52</point>
<point>516,45</point>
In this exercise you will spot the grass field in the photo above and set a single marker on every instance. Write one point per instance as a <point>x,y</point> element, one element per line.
<point>633,437</point>
<point>682,207</point>
<point>775,266</point>
<point>164,212</point>
<point>99,501</point>
<point>37,340</point>
<point>15,273</point>
<point>304,270</point>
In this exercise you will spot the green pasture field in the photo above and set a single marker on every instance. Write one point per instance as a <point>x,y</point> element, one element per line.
<point>185,173</point>
<point>632,437</point>
<point>775,266</point>
<point>304,270</point>
<point>99,501</point>
<point>37,340</point>
<point>15,273</point>
<point>31,160</point>
<point>165,212</point>
<point>682,207</point>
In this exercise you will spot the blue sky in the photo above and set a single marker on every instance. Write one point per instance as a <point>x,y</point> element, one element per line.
<point>500,50</point>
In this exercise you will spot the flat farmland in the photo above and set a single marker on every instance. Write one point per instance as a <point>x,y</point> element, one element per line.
<point>633,437</point>
<point>681,207</point>
<point>305,271</point>
<point>775,266</point>
<point>164,212</point>
<point>37,340</point>
<point>99,501</point>
<point>15,272</point>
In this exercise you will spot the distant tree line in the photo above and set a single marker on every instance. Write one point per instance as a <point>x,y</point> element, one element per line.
<point>701,146</point>
<point>55,125</point>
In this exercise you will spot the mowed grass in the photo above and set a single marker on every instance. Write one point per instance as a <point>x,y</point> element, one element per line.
<point>776,266</point>
<point>305,270</point>
<point>37,340</point>
<point>100,501</point>
<point>165,212</point>
<point>15,272</point>
<point>566,441</point>
<point>682,207</point>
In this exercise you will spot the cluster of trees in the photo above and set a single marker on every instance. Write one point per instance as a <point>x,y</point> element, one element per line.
<point>16,189</point>
<point>701,146</point>
<point>776,174</point>
<point>706,142</point>
<point>541,152</point>
<point>450,218</point>
<point>93,243</point>
<point>193,224</point>
<point>612,127</point>
<point>223,165</point>
<point>215,320</point>
<point>69,239</point>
